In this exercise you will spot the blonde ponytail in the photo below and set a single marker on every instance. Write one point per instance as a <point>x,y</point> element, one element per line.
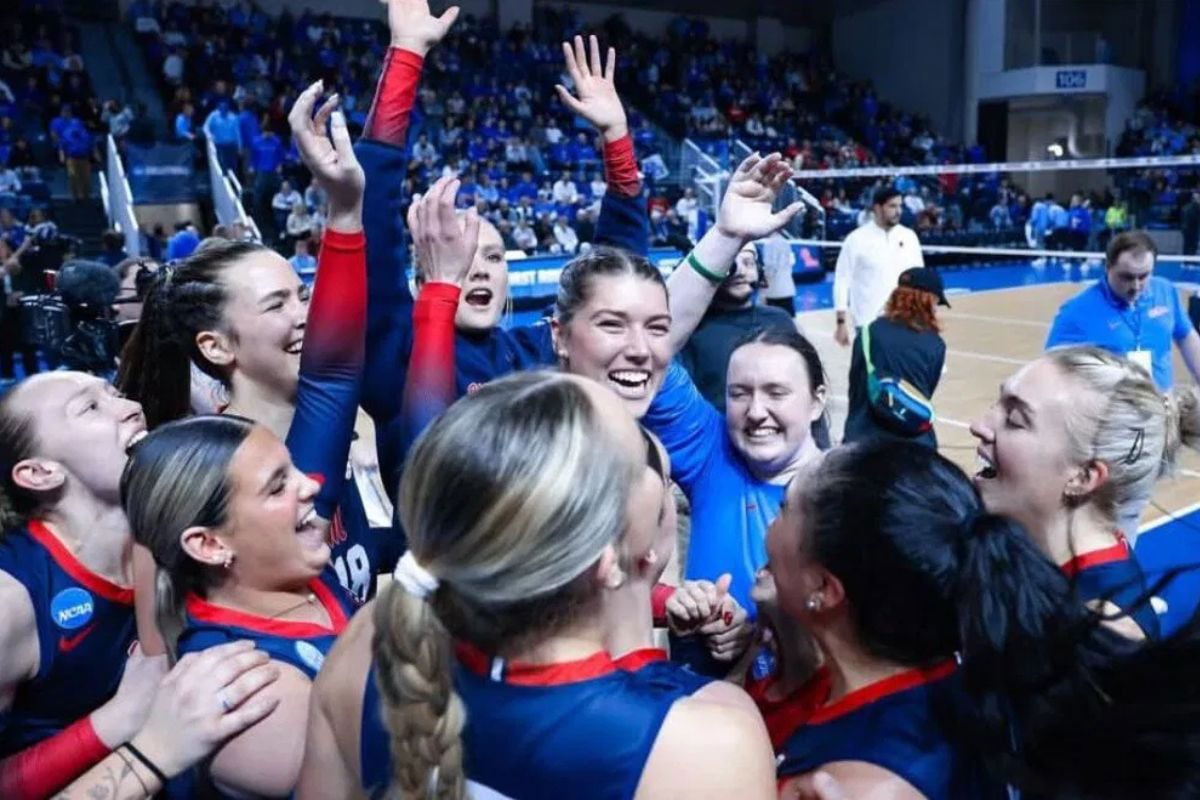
<point>508,499</point>
<point>422,712</point>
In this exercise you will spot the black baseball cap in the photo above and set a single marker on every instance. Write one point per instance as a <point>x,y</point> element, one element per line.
<point>927,280</point>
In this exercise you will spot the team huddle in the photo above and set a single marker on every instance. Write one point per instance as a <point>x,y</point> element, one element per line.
<point>206,602</point>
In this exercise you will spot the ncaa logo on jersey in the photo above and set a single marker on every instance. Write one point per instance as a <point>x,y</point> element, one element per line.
<point>72,608</point>
<point>310,655</point>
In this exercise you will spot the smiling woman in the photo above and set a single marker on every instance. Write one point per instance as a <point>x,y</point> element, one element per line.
<point>233,529</point>
<point>612,324</point>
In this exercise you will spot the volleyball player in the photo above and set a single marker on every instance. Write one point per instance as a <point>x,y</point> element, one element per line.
<point>232,526</point>
<point>1075,438</point>
<point>955,655</point>
<point>484,349</point>
<point>71,688</point>
<point>238,310</point>
<point>514,563</point>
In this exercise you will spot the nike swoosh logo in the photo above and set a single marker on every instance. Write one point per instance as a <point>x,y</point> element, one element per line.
<point>69,643</point>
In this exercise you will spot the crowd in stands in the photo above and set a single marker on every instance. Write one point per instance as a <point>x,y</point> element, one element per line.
<point>488,113</point>
<point>48,114</point>
<point>1161,126</point>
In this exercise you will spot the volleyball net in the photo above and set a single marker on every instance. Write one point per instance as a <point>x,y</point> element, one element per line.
<point>1032,211</point>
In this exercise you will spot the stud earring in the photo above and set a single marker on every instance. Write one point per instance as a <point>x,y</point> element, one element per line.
<point>813,603</point>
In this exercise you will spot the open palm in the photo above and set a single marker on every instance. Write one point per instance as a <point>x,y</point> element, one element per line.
<point>414,27</point>
<point>595,98</point>
<point>745,210</point>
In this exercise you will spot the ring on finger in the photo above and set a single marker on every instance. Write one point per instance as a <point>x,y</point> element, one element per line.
<point>224,701</point>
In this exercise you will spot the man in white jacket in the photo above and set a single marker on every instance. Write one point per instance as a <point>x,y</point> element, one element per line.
<point>869,266</point>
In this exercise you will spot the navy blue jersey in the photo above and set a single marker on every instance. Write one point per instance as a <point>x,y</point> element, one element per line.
<point>361,550</point>
<point>304,645</point>
<point>894,725</point>
<point>1113,574</point>
<point>581,729</point>
<point>85,627</point>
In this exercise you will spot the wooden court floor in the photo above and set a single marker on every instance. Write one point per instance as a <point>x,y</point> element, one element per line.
<point>989,335</point>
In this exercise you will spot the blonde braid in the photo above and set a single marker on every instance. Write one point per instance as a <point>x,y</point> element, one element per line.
<point>421,711</point>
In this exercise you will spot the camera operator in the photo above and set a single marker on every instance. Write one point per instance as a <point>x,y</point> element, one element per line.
<point>75,326</point>
<point>41,250</point>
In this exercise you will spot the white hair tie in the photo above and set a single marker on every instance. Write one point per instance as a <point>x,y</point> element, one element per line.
<point>415,579</point>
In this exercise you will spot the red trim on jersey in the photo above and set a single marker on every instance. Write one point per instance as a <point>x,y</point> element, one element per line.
<point>1118,552</point>
<point>636,659</point>
<point>908,679</point>
<point>787,715</point>
<point>516,673</point>
<point>204,611</point>
<point>71,565</point>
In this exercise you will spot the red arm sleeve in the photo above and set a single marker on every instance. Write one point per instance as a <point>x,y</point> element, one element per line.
<point>331,365</point>
<point>620,167</point>
<point>387,120</point>
<point>41,770</point>
<point>430,388</point>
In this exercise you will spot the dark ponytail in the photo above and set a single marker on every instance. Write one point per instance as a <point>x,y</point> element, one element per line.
<point>184,300</point>
<point>1062,706</point>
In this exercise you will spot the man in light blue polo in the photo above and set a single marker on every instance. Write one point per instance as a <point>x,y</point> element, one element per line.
<point>1131,313</point>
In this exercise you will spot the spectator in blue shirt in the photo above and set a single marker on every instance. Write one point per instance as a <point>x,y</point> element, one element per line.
<point>65,118</point>
<point>183,124</point>
<point>224,129</point>
<point>1131,312</point>
<point>1039,222</point>
<point>248,127</point>
<point>266,153</point>
<point>1079,223</point>
<point>76,147</point>
<point>264,163</point>
<point>1059,222</point>
<point>183,243</point>
<point>302,261</point>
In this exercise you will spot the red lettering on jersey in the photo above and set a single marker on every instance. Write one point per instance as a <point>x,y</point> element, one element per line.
<point>337,531</point>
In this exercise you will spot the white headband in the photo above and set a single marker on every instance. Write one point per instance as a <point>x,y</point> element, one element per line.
<point>415,579</point>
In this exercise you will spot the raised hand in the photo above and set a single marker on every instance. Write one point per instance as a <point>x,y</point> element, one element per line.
<point>595,97</point>
<point>445,246</point>
<point>745,211</point>
<point>414,27</point>
<point>329,156</point>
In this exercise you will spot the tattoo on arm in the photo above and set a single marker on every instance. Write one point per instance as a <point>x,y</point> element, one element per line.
<point>111,779</point>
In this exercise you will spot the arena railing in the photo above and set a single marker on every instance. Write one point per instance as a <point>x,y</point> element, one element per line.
<point>227,195</point>
<point>118,199</point>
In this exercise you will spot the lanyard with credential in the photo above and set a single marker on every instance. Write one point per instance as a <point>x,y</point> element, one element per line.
<point>1135,329</point>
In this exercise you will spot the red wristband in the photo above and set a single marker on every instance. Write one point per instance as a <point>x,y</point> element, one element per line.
<point>659,596</point>
<point>42,769</point>
<point>620,167</point>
